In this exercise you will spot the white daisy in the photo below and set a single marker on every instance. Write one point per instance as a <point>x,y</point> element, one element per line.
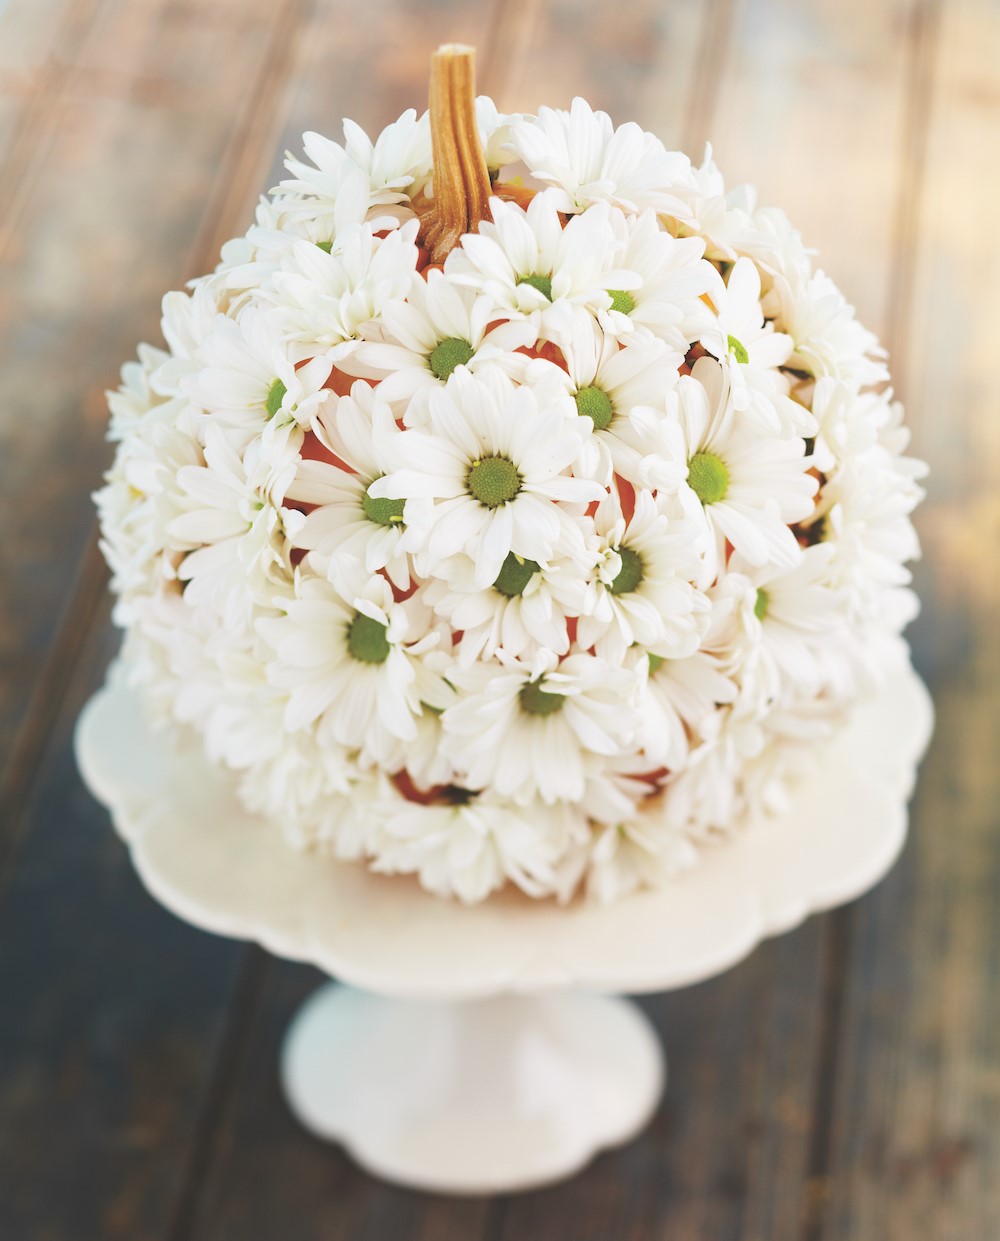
<point>799,621</point>
<point>248,378</point>
<point>622,392</point>
<point>346,658</point>
<point>385,170</point>
<point>526,607</point>
<point>637,854</point>
<point>586,160</point>
<point>421,340</point>
<point>532,267</point>
<point>848,422</point>
<point>492,458</point>
<point>754,353</point>
<point>749,488</point>
<point>321,300</point>
<point>537,729</point>
<point>186,322</point>
<point>673,275</point>
<point>828,338</point>
<point>641,589</point>
<point>347,523</point>
<point>739,331</point>
<point>705,797</point>
<point>470,847</point>
<point>679,706</point>
<point>865,513</point>
<point>235,529</point>
<point>495,130</point>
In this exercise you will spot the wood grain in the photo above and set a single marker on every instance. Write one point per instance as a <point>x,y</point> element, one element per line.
<point>916,1139</point>
<point>114,187</point>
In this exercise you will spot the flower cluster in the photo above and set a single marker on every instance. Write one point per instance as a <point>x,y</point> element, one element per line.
<point>542,565</point>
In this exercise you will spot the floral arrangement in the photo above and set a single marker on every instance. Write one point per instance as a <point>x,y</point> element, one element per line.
<point>511,504</point>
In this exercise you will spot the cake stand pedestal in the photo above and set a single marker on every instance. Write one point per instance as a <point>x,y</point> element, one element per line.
<point>481,1049</point>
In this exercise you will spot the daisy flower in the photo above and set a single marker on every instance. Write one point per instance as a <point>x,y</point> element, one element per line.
<point>347,523</point>
<point>641,589</point>
<point>739,331</point>
<point>495,134</point>
<point>248,378</point>
<point>384,170</point>
<point>679,706</point>
<point>322,299</point>
<point>622,392</point>
<point>587,160</point>
<point>535,729</point>
<point>848,422</point>
<point>754,353</point>
<point>471,847</point>
<point>492,458</point>
<point>673,276</point>
<point>422,339</point>
<point>234,527</point>
<point>532,267</point>
<point>636,854</point>
<point>749,488</point>
<point>798,619</point>
<point>346,657</point>
<point>525,609</point>
<point>186,323</point>
<point>827,337</point>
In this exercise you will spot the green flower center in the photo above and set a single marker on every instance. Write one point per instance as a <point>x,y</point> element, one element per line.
<point>739,349</point>
<point>275,395</point>
<point>367,641</point>
<point>655,662</point>
<point>382,510</point>
<point>630,574</point>
<point>326,246</point>
<point>708,477</point>
<point>760,604</point>
<point>596,405</point>
<point>622,301</point>
<point>515,575</point>
<point>493,481</point>
<point>537,701</point>
<point>542,283</point>
<point>448,354</point>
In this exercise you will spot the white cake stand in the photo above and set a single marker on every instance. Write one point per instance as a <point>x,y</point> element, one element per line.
<point>471,1050</point>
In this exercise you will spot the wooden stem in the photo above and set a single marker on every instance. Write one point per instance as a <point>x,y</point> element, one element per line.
<point>461,178</point>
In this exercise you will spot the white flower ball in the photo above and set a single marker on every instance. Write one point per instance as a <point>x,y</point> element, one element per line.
<point>543,565</point>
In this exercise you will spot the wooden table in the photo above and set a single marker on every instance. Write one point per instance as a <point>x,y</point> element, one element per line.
<point>843,1084</point>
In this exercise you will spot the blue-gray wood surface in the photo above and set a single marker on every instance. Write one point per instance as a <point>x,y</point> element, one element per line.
<point>843,1084</point>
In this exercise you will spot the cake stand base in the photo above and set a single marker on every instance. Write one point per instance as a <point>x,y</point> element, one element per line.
<point>474,1096</point>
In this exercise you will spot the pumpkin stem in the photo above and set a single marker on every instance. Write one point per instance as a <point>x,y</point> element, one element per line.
<point>461,178</point>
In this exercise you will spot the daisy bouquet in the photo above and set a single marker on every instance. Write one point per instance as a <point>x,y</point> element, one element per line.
<point>512,504</point>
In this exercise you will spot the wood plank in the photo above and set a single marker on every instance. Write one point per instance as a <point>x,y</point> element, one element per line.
<point>643,69</point>
<point>109,1006</point>
<point>812,112</point>
<point>917,1112</point>
<point>39,32</point>
<point>113,207</point>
